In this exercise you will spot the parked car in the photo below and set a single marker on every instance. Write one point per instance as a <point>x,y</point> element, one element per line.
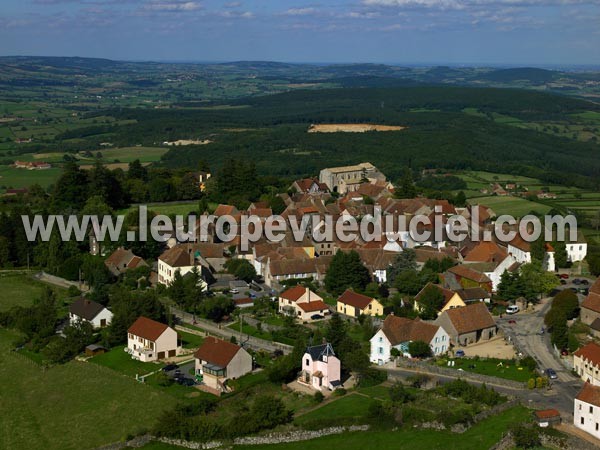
<point>551,374</point>
<point>563,282</point>
<point>234,291</point>
<point>586,282</point>
<point>170,367</point>
<point>576,281</point>
<point>186,382</point>
<point>512,309</point>
<point>564,276</point>
<point>512,322</point>
<point>459,353</point>
<point>574,289</point>
<point>316,317</point>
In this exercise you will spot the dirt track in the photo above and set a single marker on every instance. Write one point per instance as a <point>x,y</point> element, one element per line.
<point>352,128</point>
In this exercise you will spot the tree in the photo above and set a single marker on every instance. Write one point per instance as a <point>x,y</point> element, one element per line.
<point>406,187</point>
<point>405,261</point>
<point>241,268</point>
<point>346,271</point>
<point>336,332</point>
<point>538,249</point>
<point>567,302</point>
<point>525,436</point>
<point>71,189</point>
<point>419,349</point>
<point>137,171</point>
<point>431,301</point>
<point>561,259</point>
<point>460,200</point>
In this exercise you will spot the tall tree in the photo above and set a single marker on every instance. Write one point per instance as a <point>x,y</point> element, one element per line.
<point>405,261</point>
<point>346,271</point>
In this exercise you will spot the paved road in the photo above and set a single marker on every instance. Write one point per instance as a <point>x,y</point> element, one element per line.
<point>226,333</point>
<point>525,333</point>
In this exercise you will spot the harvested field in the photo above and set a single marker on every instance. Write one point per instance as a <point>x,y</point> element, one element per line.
<point>351,128</point>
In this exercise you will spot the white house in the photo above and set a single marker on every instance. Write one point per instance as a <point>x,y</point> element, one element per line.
<point>180,258</point>
<point>85,310</point>
<point>302,303</point>
<point>586,415</point>
<point>149,340</point>
<point>576,251</point>
<point>586,362</point>
<point>218,361</point>
<point>399,332</point>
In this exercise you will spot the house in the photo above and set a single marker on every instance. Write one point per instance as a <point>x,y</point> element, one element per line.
<point>180,258</point>
<point>399,332</point>
<point>590,307</point>
<point>586,414</point>
<point>469,277</point>
<point>451,299</point>
<point>302,303</point>
<point>474,295</point>
<point>122,260</point>
<point>218,361</point>
<point>354,304</point>
<point>586,363</point>
<point>468,325</point>
<point>321,369</point>
<point>595,328</point>
<point>149,340</point>
<point>86,310</point>
<point>309,186</point>
<point>278,270</point>
<point>547,417</point>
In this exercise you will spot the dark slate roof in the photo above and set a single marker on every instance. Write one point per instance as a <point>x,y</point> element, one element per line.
<point>317,352</point>
<point>85,308</point>
<point>595,324</point>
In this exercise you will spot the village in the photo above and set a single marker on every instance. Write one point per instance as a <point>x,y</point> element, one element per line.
<point>455,325</point>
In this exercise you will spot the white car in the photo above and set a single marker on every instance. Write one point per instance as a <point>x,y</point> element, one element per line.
<point>512,309</point>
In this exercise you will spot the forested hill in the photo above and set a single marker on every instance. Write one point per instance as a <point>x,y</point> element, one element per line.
<point>479,128</point>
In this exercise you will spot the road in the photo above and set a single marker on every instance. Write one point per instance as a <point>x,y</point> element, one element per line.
<point>525,334</point>
<point>226,333</point>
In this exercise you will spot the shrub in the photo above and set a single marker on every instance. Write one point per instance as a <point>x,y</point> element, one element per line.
<point>526,437</point>
<point>318,397</point>
<point>531,383</point>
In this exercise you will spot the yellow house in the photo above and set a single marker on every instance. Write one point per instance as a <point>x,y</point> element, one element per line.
<point>353,304</point>
<point>451,299</point>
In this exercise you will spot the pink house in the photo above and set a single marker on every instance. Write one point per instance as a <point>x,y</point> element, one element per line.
<point>321,368</point>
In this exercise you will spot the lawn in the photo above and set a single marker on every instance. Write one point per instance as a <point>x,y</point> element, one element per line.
<point>72,406</point>
<point>349,406</point>
<point>120,361</point>
<point>514,206</point>
<point>21,178</point>
<point>190,340</point>
<point>168,209</point>
<point>481,436</point>
<point>491,367</point>
<point>18,289</point>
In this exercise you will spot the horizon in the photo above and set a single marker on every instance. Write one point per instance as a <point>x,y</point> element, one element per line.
<point>424,64</point>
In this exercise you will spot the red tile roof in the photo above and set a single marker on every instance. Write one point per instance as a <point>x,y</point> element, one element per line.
<point>147,328</point>
<point>470,318</point>
<point>547,413</point>
<point>216,351</point>
<point>486,252</point>
<point>465,272</point>
<point>447,293</point>
<point>317,305</point>
<point>400,329</point>
<point>589,352</point>
<point>293,293</point>
<point>592,301</point>
<point>589,394</point>
<point>355,299</point>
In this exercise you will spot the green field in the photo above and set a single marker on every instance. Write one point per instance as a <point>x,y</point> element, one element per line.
<point>168,209</point>
<point>119,360</point>
<point>491,367</point>
<point>20,178</point>
<point>350,406</point>
<point>72,406</point>
<point>514,206</point>
<point>19,289</point>
<point>129,154</point>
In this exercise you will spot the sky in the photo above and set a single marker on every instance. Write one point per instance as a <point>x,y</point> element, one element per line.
<point>511,32</point>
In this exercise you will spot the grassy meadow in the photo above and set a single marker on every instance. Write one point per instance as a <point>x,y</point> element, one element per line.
<point>72,406</point>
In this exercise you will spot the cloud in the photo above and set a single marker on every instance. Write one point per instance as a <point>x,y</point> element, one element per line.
<point>232,4</point>
<point>300,12</point>
<point>173,6</point>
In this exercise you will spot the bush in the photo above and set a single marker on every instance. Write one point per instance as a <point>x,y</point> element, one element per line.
<point>526,437</point>
<point>531,383</point>
<point>318,397</point>
<point>529,363</point>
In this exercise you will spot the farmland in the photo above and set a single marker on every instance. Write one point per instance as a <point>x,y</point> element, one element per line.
<point>19,289</point>
<point>72,406</point>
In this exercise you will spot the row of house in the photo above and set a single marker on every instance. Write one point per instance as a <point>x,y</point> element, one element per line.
<point>457,327</point>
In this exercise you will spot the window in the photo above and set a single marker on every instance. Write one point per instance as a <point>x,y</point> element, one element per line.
<point>381,350</point>
<point>306,363</point>
<point>596,426</point>
<point>380,339</point>
<point>591,410</point>
<point>582,421</point>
